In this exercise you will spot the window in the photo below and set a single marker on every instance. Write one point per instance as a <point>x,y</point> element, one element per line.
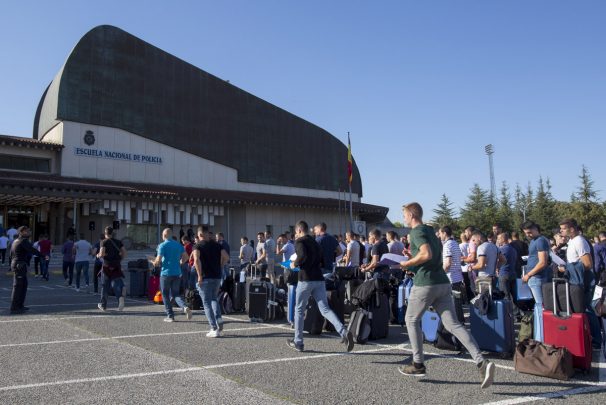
<point>24,163</point>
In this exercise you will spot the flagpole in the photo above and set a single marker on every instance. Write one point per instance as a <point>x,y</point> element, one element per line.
<point>349,181</point>
<point>339,210</point>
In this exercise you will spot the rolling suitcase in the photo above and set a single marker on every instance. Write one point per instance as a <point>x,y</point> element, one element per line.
<point>401,304</point>
<point>261,301</point>
<point>336,302</point>
<point>238,293</point>
<point>291,302</point>
<point>494,332</point>
<point>313,321</point>
<point>429,325</point>
<point>153,287</point>
<point>379,316</point>
<point>570,331</point>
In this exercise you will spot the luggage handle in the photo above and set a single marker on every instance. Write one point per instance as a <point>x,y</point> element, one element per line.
<point>489,287</point>
<point>555,308</point>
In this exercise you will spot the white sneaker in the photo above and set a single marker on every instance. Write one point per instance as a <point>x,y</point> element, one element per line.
<point>168,319</point>
<point>215,333</point>
<point>120,303</point>
<point>100,306</point>
<point>188,313</point>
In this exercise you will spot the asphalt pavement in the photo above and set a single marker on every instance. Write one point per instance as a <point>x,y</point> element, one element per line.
<point>66,351</point>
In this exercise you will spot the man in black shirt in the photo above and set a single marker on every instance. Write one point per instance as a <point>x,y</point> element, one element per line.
<point>21,253</point>
<point>379,248</point>
<point>521,249</point>
<point>112,252</point>
<point>311,283</point>
<point>209,259</point>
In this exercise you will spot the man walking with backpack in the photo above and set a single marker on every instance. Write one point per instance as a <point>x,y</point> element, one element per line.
<point>432,288</point>
<point>111,251</point>
<point>312,284</point>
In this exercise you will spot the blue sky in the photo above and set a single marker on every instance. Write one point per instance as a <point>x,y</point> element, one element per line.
<point>421,86</point>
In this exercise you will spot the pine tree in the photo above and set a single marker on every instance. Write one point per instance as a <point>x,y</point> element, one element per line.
<point>445,213</point>
<point>475,211</point>
<point>505,212</point>
<point>542,210</point>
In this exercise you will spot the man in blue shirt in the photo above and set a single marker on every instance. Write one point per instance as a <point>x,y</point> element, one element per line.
<point>507,271</point>
<point>171,255</point>
<point>537,271</point>
<point>329,247</point>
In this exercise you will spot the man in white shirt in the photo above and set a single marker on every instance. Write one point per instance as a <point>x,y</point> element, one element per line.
<point>352,256</point>
<point>579,251</point>
<point>270,251</point>
<point>246,252</point>
<point>488,258</point>
<point>3,247</point>
<point>82,251</point>
<point>451,259</point>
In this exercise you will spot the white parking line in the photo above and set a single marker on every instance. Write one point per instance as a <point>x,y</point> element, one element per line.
<point>548,395</point>
<point>55,342</point>
<point>176,371</point>
<point>52,319</point>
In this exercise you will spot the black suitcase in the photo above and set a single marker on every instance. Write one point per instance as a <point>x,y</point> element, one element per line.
<point>379,317</point>
<point>261,301</point>
<point>458,304</point>
<point>313,321</point>
<point>336,302</point>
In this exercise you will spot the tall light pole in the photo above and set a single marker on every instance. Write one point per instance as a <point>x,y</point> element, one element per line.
<point>489,149</point>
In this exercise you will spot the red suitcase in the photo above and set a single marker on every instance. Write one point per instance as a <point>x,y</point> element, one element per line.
<point>153,287</point>
<point>570,331</point>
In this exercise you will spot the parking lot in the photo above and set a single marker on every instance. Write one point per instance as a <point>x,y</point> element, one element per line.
<point>64,350</point>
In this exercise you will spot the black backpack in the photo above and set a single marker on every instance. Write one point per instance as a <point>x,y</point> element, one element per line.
<point>446,340</point>
<point>192,299</point>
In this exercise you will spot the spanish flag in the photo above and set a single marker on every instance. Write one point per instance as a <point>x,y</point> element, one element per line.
<point>349,161</point>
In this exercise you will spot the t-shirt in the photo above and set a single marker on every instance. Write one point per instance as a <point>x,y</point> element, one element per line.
<point>288,250</point>
<point>328,246</point>
<point>491,253</point>
<point>225,246</point>
<point>171,252</point>
<point>378,249</point>
<point>270,248</point>
<point>68,255</point>
<point>538,244</point>
<point>451,249</point>
<point>210,258</point>
<point>430,272</point>
<point>577,247</point>
<point>353,248</point>
<point>396,247</point>
<point>82,250</point>
<point>246,252</point>
<point>44,246</point>
<point>11,233</point>
<point>112,253</point>
<point>97,247</point>
<point>188,249</point>
<point>3,242</point>
<point>260,250</point>
<point>511,256</point>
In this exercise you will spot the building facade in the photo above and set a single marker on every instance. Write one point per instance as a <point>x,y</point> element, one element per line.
<point>128,134</point>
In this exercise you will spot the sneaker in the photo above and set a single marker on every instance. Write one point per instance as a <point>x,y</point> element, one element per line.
<point>220,324</point>
<point>412,370</point>
<point>188,313</point>
<point>100,306</point>
<point>67,282</point>
<point>169,319</point>
<point>348,341</point>
<point>291,343</point>
<point>120,303</point>
<point>77,289</point>
<point>215,333</point>
<point>487,369</point>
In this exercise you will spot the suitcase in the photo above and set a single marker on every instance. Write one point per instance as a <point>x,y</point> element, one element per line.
<point>313,321</point>
<point>226,303</point>
<point>350,288</point>
<point>359,325</point>
<point>153,287</point>
<point>575,293</point>
<point>336,302</point>
<point>429,325</point>
<point>261,301</point>
<point>238,293</point>
<point>379,316</point>
<point>570,331</point>
<point>494,332</point>
<point>292,300</point>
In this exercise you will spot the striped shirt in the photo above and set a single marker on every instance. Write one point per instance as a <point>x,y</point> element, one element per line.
<point>451,249</point>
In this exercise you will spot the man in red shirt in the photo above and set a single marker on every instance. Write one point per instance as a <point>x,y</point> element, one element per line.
<point>45,247</point>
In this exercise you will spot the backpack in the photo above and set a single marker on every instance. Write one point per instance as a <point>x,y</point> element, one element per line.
<point>367,290</point>
<point>226,303</point>
<point>359,325</point>
<point>526,327</point>
<point>446,340</point>
<point>193,299</point>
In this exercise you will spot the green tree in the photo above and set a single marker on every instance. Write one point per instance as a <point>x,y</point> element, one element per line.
<point>475,212</point>
<point>522,205</point>
<point>505,212</point>
<point>586,193</point>
<point>585,208</point>
<point>542,211</point>
<point>445,213</point>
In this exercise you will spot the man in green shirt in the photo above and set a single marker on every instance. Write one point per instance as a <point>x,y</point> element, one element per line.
<point>432,288</point>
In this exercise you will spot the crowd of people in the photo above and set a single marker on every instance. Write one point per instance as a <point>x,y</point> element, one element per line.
<point>440,264</point>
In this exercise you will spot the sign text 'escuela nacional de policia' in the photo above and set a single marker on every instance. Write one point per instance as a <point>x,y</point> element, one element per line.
<point>126,156</point>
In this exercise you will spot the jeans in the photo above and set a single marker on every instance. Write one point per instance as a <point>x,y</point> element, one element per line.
<point>316,289</point>
<point>44,268</point>
<point>81,267</point>
<point>193,278</point>
<point>96,270</point>
<point>185,273</point>
<point>36,264</point>
<point>594,322</point>
<point>106,283</point>
<point>440,297</point>
<point>68,271</point>
<point>169,285</point>
<point>209,290</point>
<point>536,285</point>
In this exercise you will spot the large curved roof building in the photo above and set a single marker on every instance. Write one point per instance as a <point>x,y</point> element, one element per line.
<point>147,139</point>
